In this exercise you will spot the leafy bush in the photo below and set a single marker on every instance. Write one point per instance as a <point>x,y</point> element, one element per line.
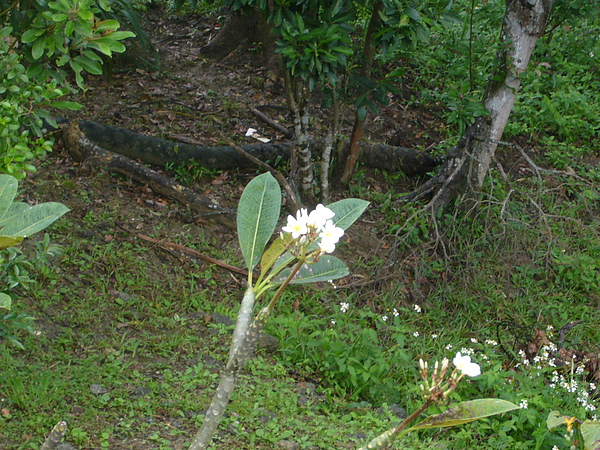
<point>18,221</point>
<point>43,39</point>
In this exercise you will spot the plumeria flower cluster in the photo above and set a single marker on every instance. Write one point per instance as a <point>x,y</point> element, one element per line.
<point>316,225</point>
<point>439,387</point>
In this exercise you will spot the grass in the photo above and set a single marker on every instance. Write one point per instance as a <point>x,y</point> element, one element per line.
<point>117,313</point>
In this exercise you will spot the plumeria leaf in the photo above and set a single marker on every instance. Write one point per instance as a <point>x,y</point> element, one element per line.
<point>590,430</point>
<point>5,301</point>
<point>466,412</point>
<point>277,248</point>
<point>327,268</point>
<point>8,191</point>
<point>8,241</point>
<point>555,420</point>
<point>347,211</point>
<point>258,213</point>
<point>33,219</point>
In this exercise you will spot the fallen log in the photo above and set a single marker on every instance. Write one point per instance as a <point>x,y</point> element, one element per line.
<point>160,152</point>
<point>83,149</point>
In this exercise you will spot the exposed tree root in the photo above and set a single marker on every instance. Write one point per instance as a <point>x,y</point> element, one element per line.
<point>82,149</point>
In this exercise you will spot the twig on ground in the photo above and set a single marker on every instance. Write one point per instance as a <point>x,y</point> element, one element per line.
<point>292,198</point>
<point>186,250</point>
<point>272,123</point>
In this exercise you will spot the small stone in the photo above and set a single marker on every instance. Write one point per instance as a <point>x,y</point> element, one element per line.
<point>98,389</point>
<point>266,416</point>
<point>288,445</point>
<point>141,391</point>
<point>268,343</point>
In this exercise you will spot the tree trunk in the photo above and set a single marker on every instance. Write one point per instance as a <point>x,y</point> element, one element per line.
<point>468,163</point>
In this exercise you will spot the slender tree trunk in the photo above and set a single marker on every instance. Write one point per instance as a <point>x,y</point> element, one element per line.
<point>468,163</point>
<point>301,164</point>
<point>360,120</point>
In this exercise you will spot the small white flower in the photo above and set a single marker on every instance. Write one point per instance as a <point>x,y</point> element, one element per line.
<point>384,318</point>
<point>332,322</point>
<point>298,225</point>
<point>474,341</point>
<point>449,347</point>
<point>395,312</point>
<point>319,216</point>
<point>491,342</point>
<point>344,307</point>
<point>555,447</point>
<point>464,364</point>
<point>524,404</point>
<point>417,308</point>
<point>330,235</point>
<point>416,334</point>
<point>434,336</point>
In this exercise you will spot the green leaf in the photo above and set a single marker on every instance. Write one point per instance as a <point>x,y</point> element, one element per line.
<point>5,301</point>
<point>347,211</point>
<point>590,430</point>
<point>31,35</point>
<point>326,269</point>
<point>73,106</point>
<point>258,213</point>
<point>555,420</point>
<point>33,219</point>
<point>466,412</point>
<point>8,191</point>
<point>277,248</point>
<point>107,25</point>
<point>37,50</point>
<point>7,241</point>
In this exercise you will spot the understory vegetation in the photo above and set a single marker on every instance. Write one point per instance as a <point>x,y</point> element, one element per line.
<point>121,337</point>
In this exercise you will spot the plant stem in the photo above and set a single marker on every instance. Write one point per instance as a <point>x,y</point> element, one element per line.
<point>413,416</point>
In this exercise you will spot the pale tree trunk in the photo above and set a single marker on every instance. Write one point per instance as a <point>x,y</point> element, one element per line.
<point>301,164</point>
<point>468,163</point>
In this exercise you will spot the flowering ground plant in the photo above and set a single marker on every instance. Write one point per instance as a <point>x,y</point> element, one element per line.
<point>542,382</point>
<point>436,387</point>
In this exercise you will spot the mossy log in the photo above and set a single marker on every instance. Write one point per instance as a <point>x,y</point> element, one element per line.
<point>160,152</point>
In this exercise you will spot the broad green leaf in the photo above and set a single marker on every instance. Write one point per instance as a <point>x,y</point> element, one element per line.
<point>466,412</point>
<point>590,430</point>
<point>257,216</point>
<point>347,211</point>
<point>327,268</point>
<point>15,209</point>
<point>5,301</point>
<point>8,191</point>
<point>34,219</point>
<point>7,241</point>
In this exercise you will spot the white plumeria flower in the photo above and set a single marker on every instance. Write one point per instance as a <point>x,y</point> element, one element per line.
<point>464,364</point>
<point>319,216</point>
<point>330,235</point>
<point>298,225</point>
